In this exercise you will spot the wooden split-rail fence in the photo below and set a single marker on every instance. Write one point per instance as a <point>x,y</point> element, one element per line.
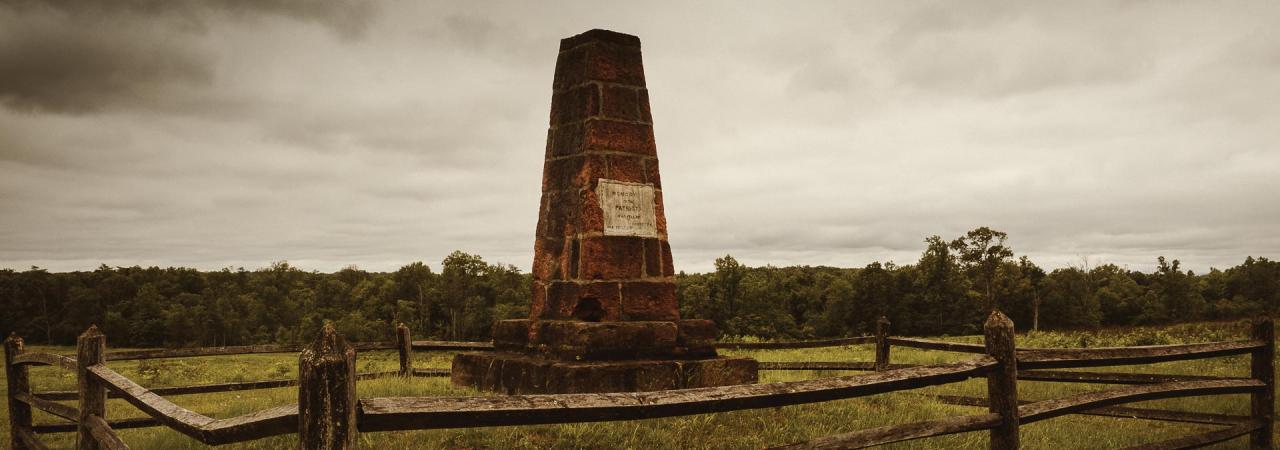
<point>329,416</point>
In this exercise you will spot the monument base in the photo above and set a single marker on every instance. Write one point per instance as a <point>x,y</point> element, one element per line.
<point>571,356</point>
<point>518,373</point>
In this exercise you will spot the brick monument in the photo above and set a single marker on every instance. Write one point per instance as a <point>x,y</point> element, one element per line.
<point>605,317</point>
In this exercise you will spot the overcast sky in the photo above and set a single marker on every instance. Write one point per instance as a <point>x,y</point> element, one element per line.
<point>236,133</point>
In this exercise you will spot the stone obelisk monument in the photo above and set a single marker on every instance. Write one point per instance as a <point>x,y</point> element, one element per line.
<point>605,316</point>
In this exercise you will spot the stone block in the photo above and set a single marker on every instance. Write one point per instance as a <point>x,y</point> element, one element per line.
<point>573,172</point>
<point>551,132</point>
<point>626,168</point>
<point>514,373</point>
<point>561,297</point>
<point>646,115</point>
<point>614,136</point>
<point>598,35</point>
<point>668,267</point>
<point>652,258</point>
<point>542,217</point>
<point>719,372</point>
<point>607,306</point>
<point>571,68</point>
<point>611,258</point>
<point>574,340</point>
<point>651,173</point>
<point>657,376</point>
<point>575,104</point>
<point>548,259</point>
<point>620,103</point>
<point>696,338</point>
<point>591,217</point>
<point>538,303</point>
<point>696,331</point>
<point>612,63</point>
<point>619,376</point>
<point>661,213</point>
<point>467,369</point>
<point>598,61</point>
<point>512,335</point>
<point>643,300</point>
<point>571,259</point>
<point>534,377</point>
<point>560,221</point>
<point>566,139</point>
<point>561,174</point>
<point>572,300</point>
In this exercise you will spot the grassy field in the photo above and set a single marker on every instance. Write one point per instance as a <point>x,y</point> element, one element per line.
<point>742,429</point>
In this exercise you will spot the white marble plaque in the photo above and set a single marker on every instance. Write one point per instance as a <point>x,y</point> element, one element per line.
<point>628,208</point>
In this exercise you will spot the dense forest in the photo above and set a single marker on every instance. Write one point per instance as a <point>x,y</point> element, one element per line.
<point>948,291</point>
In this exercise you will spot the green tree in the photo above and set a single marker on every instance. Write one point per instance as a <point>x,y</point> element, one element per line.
<point>1031,278</point>
<point>695,297</point>
<point>146,321</point>
<point>939,296</point>
<point>726,285</point>
<point>460,276</point>
<point>1256,280</point>
<point>760,309</point>
<point>413,288</point>
<point>1176,291</point>
<point>1069,300</point>
<point>982,252</point>
<point>840,311</point>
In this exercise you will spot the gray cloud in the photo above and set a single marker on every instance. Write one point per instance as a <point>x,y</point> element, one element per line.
<point>348,18</point>
<point>81,57</point>
<point>81,67</point>
<point>1008,49</point>
<point>332,133</point>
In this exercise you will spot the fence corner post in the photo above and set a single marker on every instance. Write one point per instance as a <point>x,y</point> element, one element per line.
<point>405,345</point>
<point>1262,368</point>
<point>327,393</point>
<point>19,412</point>
<point>1002,381</point>
<point>91,350</point>
<point>882,344</point>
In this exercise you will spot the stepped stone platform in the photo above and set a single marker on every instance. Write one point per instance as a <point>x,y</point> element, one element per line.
<point>516,374</point>
<point>563,356</point>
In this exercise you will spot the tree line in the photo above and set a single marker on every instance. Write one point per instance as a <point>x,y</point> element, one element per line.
<point>955,283</point>
<point>947,291</point>
<point>152,307</point>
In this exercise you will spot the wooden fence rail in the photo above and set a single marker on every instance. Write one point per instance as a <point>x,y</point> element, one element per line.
<point>797,344</point>
<point>329,415</point>
<point>1116,411</point>
<point>905,432</point>
<point>399,413</point>
<point>232,387</point>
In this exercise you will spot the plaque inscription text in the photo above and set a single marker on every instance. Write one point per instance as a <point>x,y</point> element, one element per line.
<point>628,208</point>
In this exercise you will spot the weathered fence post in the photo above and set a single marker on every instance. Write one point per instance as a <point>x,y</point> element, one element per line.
<point>327,393</point>
<point>91,350</point>
<point>405,345</point>
<point>19,412</point>
<point>1002,382</point>
<point>882,344</point>
<point>1262,365</point>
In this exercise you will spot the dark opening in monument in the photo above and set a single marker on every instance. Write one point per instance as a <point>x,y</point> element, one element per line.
<point>588,309</point>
